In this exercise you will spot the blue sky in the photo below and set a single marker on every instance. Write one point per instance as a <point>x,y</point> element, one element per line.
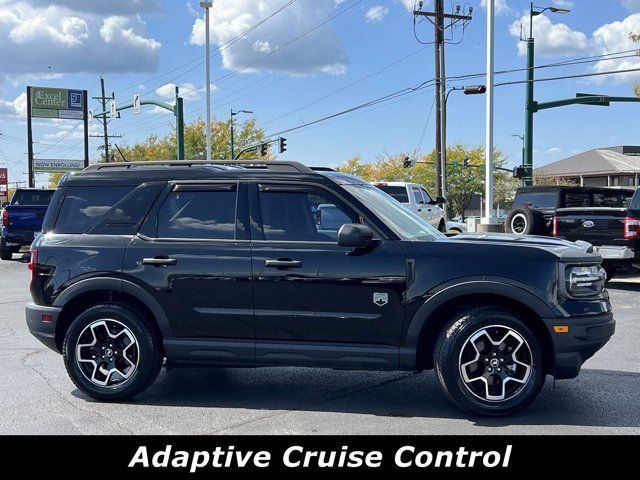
<point>289,77</point>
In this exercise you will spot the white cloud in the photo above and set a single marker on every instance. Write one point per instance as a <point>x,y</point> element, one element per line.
<point>55,40</point>
<point>376,14</point>
<point>554,150</point>
<point>500,7</point>
<point>552,39</point>
<point>188,91</point>
<point>320,51</point>
<point>16,108</point>
<point>614,37</point>
<point>632,5</point>
<point>410,4</point>
<point>103,7</point>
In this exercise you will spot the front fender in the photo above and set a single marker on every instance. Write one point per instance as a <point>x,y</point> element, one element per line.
<point>503,287</point>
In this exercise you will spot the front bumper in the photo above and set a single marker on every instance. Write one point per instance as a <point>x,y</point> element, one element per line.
<point>45,331</point>
<point>585,336</point>
<point>610,252</point>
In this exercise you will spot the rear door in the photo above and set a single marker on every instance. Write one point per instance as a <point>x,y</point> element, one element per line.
<point>314,301</point>
<point>193,255</point>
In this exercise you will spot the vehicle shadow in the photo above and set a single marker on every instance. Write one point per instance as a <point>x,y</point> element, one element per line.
<point>625,286</point>
<point>597,398</point>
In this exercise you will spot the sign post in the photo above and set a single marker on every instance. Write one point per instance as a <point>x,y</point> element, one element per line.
<point>4,185</point>
<point>61,103</point>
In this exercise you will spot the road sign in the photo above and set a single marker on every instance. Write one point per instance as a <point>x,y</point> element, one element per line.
<point>62,165</point>
<point>112,109</point>
<point>136,103</point>
<point>57,103</point>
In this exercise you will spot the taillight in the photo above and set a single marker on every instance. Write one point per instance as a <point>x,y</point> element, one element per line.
<point>631,228</point>
<point>5,218</point>
<point>555,226</point>
<point>33,264</point>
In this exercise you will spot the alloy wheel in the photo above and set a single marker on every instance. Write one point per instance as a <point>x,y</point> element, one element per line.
<point>495,363</point>
<point>107,353</point>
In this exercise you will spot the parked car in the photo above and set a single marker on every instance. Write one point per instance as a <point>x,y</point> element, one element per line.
<point>416,198</point>
<point>598,215</point>
<point>204,264</point>
<point>22,218</point>
<point>612,223</point>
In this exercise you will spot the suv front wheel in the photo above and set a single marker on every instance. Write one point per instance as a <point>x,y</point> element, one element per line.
<point>489,362</point>
<point>111,353</point>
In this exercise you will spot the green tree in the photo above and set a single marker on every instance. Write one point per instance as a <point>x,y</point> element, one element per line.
<point>463,183</point>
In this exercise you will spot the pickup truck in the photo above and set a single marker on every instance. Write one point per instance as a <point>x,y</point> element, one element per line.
<point>414,197</point>
<point>22,218</point>
<point>610,221</point>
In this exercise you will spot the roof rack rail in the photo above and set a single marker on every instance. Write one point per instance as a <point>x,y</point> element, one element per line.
<point>272,165</point>
<point>323,169</point>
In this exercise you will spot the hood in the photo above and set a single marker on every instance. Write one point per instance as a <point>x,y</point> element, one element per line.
<point>539,248</point>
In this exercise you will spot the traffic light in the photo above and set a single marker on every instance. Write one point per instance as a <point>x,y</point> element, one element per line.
<point>283,144</point>
<point>475,90</point>
<point>520,172</point>
<point>407,163</point>
<point>466,162</point>
<point>264,149</point>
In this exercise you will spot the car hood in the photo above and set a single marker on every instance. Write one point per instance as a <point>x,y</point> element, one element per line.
<point>524,247</point>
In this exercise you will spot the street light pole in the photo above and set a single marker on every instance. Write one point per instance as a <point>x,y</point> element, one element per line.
<point>530,102</point>
<point>489,113</point>
<point>233,114</point>
<point>207,6</point>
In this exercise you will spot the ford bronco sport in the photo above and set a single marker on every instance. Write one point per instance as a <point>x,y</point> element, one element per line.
<point>225,264</point>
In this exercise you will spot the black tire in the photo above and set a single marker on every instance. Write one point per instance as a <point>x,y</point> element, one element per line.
<point>6,253</point>
<point>148,351</point>
<point>453,347</point>
<point>524,221</point>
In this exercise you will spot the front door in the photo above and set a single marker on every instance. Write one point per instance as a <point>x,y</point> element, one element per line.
<point>316,302</point>
<point>195,260</point>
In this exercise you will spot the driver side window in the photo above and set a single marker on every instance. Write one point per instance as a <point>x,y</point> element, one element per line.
<point>303,214</point>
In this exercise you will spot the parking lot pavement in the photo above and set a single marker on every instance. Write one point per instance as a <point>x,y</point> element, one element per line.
<point>38,397</point>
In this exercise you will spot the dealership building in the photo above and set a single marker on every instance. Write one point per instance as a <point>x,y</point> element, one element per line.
<point>601,167</point>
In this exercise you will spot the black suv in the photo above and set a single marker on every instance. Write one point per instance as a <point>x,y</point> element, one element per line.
<point>225,265</point>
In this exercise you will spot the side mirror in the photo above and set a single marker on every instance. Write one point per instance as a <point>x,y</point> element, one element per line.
<point>354,235</point>
<point>441,201</point>
<point>5,204</point>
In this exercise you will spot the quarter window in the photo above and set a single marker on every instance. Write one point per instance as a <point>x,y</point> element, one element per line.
<point>198,214</point>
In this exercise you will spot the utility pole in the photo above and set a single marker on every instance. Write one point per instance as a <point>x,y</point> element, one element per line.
<point>103,100</point>
<point>438,21</point>
<point>488,219</point>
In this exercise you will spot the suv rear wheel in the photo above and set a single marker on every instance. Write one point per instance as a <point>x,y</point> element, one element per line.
<point>6,253</point>
<point>110,352</point>
<point>489,362</point>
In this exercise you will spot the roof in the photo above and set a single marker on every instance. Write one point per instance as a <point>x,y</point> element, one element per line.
<point>602,161</point>
<point>136,173</point>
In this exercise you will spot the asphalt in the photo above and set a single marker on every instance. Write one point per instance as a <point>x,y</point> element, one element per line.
<point>37,397</point>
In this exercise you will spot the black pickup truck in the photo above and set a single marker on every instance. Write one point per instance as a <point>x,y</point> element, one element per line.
<point>608,220</point>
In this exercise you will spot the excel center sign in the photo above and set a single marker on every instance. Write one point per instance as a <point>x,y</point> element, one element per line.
<point>57,103</point>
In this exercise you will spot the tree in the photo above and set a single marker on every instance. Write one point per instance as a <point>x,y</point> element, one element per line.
<point>463,183</point>
<point>195,144</point>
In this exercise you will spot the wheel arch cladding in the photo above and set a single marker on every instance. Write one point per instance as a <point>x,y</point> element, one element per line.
<point>74,303</point>
<point>432,317</point>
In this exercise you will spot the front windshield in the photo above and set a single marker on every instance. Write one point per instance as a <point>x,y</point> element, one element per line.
<point>404,223</point>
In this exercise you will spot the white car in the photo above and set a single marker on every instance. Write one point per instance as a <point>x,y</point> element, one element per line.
<point>416,198</point>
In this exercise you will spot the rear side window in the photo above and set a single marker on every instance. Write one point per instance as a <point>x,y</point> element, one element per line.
<point>209,214</point>
<point>399,193</point>
<point>536,200</point>
<point>32,197</point>
<point>83,206</point>
<point>635,202</point>
<point>612,199</point>
<point>576,200</point>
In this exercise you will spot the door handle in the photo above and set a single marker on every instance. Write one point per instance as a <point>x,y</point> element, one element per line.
<point>283,263</point>
<point>159,261</point>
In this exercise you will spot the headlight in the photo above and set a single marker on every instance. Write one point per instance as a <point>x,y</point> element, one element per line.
<point>584,281</point>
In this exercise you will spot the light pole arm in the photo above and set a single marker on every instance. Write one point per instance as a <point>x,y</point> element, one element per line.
<point>125,106</point>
